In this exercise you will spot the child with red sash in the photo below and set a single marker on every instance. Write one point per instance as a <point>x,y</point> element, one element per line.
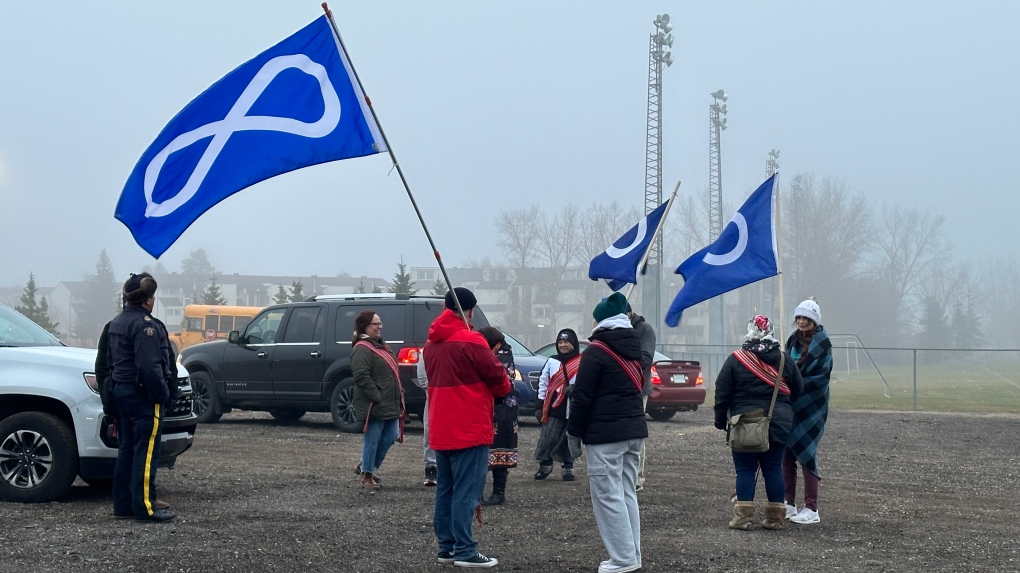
<point>554,386</point>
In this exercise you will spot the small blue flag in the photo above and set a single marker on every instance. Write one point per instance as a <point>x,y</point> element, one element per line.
<point>294,105</point>
<point>745,252</point>
<point>619,263</point>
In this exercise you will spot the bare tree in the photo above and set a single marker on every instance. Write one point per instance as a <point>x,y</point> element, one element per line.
<point>518,235</point>
<point>1000,293</point>
<point>909,248</point>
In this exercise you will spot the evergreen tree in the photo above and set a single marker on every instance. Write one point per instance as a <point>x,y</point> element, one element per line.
<point>361,286</point>
<point>101,301</point>
<point>281,295</point>
<point>966,324</point>
<point>439,287</point>
<point>197,264</point>
<point>402,281</point>
<point>37,312</point>
<point>934,324</point>
<point>296,291</point>
<point>212,293</point>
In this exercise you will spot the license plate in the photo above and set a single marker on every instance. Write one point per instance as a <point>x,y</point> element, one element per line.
<point>679,379</point>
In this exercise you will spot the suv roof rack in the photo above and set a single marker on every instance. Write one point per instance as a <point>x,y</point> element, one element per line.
<point>359,296</point>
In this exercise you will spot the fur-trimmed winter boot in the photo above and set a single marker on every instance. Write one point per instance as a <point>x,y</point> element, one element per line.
<point>775,516</point>
<point>743,515</point>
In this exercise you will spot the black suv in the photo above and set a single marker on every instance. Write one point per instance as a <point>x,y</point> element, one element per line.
<point>296,357</point>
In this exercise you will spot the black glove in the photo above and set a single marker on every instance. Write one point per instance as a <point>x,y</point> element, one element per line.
<point>570,390</point>
<point>720,420</point>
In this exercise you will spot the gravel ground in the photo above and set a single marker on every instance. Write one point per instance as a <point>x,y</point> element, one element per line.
<point>902,492</point>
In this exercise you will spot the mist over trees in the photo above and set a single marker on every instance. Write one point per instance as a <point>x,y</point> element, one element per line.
<point>101,301</point>
<point>884,272</point>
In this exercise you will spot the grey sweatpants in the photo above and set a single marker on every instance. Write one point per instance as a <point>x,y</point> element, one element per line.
<point>612,473</point>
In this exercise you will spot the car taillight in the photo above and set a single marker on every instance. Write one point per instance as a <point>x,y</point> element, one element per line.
<point>92,381</point>
<point>409,355</point>
<point>655,377</point>
<point>700,380</point>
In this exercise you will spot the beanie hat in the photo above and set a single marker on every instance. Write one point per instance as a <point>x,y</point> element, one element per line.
<point>467,299</point>
<point>139,288</point>
<point>613,305</point>
<point>809,309</point>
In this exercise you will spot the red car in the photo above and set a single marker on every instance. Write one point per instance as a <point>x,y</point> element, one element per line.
<point>677,385</point>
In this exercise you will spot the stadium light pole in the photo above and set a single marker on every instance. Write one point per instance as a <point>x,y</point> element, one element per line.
<point>717,111</point>
<point>659,56</point>
<point>772,163</point>
<point>768,287</point>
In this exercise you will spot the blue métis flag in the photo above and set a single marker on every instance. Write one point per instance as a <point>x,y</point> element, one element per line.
<point>619,263</point>
<point>294,105</point>
<point>745,252</point>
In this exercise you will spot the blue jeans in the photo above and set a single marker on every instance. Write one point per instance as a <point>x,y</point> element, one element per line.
<point>460,483</point>
<point>771,464</point>
<point>379,436</point>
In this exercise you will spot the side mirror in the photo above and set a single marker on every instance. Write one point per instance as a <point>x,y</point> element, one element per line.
<point>233,337</point>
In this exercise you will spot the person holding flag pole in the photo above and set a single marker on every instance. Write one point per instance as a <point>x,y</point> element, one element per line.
<point>167,191</point>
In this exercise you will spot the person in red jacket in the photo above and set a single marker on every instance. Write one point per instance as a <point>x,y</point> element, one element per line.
<point>464,378</point>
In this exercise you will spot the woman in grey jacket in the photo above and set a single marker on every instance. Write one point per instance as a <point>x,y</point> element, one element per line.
<point>746,383</point>
<point>378,396</point>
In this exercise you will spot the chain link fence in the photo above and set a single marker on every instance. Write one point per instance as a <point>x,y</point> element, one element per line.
<point>929,379</point>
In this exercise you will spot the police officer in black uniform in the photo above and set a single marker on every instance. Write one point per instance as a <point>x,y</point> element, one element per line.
<point>139,358</point>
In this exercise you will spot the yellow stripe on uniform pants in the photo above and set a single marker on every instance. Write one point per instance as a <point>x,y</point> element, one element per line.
<point>148,461</point>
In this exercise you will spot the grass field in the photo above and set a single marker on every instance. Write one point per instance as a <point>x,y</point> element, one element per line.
<point>983,382</point>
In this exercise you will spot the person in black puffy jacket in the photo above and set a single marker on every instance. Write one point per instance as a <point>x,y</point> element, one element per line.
<point>746,383</point>
<point>607,415</point>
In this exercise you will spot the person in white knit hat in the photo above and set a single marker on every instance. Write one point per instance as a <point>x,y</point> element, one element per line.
<point>810,348</point>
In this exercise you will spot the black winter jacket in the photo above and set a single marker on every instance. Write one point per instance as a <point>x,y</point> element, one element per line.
<point>606,407</point>
<point>737,391</point>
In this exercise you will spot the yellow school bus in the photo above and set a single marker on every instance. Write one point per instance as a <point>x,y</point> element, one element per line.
<point>203,322</point>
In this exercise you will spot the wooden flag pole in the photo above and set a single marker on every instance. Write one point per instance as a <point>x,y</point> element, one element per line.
<point>779,269</point>
<point>658,231</point>
<point>396,164</point>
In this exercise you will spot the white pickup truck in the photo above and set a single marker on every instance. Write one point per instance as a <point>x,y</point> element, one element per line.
<point>52,427</point>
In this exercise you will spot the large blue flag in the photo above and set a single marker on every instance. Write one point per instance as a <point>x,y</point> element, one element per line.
<point>745,252</point>
<point>294,105</point>
<point>619,263</point>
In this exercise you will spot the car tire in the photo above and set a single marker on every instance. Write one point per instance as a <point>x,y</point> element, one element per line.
<point>661,415</point>
<point>206,402</point>
<point>287,415</point>
<point>53,458</point>
<point>342,407</point>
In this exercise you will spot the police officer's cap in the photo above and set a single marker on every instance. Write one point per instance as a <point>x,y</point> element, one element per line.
<point>139,288</point>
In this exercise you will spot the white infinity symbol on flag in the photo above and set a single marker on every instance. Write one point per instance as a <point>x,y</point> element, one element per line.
<point>235,121</point>
<point>737,250</point>
<point>615,252</point>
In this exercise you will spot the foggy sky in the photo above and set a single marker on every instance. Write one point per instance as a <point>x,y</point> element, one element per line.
<point>491,106</point>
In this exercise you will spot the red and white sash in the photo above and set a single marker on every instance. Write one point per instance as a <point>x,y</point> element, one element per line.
<point>556,391</point>
<point>631,367</point>
<point>766,372</point>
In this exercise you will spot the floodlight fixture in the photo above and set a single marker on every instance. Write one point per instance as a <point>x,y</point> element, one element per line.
<point>720,94</point>
<point>668,60</point>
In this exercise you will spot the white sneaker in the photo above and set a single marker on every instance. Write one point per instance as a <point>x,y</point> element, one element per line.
<point>608,567</point>
<point>806,516</point>
<point>791,511</point>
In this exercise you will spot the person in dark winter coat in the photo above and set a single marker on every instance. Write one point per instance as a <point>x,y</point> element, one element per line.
<point>811,349</point>
<point>746,383</point>
<point>378,395</point>
<point>607,415</point>
<point>503,451</point>
<point>647,336</point>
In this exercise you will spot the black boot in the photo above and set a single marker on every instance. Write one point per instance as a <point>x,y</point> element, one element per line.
<point>498,487</point>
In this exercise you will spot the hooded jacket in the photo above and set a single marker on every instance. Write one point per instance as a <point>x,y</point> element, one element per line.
<point>605,406</point>
<point>464,378</point>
